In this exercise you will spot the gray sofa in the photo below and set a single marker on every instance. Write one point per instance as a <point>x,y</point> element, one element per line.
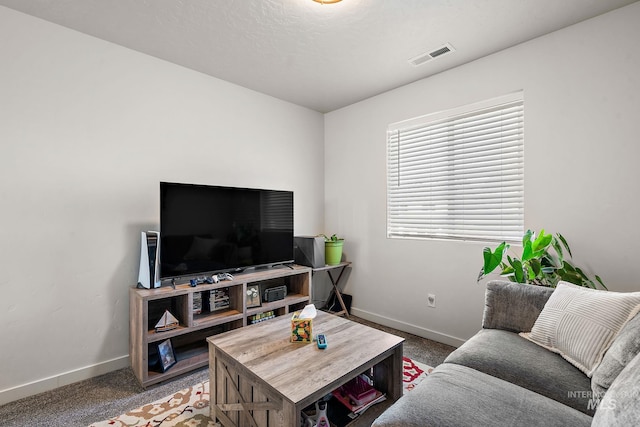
<point>498,378</point>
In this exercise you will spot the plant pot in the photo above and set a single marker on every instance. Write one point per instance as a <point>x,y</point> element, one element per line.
<point>333,252</point>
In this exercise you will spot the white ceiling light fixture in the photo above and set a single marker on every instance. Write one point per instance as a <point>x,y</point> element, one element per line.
<point>327,1</point>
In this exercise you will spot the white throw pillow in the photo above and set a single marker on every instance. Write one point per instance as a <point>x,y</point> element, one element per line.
<point>580,323</point>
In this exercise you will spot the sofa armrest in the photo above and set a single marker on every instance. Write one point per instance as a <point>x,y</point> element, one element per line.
<point>513,306</point>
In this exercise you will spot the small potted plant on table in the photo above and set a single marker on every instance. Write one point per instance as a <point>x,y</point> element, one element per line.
<point>333,249</point>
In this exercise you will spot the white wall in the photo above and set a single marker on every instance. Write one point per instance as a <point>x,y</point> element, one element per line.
<point>87,131</point>
<point>582,103</point>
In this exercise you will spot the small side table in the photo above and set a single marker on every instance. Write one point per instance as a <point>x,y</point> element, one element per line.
<point>334,282</point>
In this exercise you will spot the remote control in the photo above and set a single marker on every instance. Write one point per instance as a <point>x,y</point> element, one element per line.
<point>321,341</point>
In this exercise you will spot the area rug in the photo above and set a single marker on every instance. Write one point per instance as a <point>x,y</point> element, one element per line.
<point>190,407</point>
<point>413,373</point>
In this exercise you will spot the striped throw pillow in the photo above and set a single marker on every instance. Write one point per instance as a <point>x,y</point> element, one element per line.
<point>581,323</point>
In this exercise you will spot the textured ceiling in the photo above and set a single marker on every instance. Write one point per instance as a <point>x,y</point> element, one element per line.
<point>320,56</point>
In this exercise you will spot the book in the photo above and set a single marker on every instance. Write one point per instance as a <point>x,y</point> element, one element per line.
<point>355,409</point>
<point>359,389</point>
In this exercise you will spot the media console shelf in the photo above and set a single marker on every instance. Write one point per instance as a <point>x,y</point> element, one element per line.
<point>188,340</point>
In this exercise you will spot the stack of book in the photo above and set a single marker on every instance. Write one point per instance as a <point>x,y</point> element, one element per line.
<point>346,403</point>
<point>358,395</point>
<point>197,302</point>
<point>261,317</point>
<point>219,299</point>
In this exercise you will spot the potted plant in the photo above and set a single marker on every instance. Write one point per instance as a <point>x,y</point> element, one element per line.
<point>542,262</point>
<point>333,249</point>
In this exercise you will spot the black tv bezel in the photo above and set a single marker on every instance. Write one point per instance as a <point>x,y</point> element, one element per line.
<point>230,269</point>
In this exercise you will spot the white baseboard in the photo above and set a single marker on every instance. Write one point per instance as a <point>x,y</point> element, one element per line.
<point>407,327</point>
<point>50,383</point>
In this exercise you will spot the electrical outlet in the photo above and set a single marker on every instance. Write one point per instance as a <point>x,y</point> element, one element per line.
<point>431,300</point>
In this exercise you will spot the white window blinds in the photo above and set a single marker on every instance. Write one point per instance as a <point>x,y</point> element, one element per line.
<point>458,174</point>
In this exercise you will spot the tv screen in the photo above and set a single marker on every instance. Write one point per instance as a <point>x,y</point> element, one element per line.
<point>210,229</point>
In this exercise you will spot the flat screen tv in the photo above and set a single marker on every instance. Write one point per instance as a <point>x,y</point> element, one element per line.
<point>210,229</point>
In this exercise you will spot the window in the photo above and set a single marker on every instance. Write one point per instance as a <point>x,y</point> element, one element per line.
<point>458,174</point>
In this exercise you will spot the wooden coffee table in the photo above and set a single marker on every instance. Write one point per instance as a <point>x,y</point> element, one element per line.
<point>258,378</point>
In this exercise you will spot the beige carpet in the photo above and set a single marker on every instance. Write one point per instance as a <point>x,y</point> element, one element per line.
<point>108,395</point>
<point>190,407</point>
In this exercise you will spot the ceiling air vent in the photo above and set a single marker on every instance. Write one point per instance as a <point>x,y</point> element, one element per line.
<point>426,57</point>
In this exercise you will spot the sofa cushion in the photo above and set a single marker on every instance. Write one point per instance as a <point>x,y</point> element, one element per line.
<point>580,323</point>
<point>513,306</point>
<point>624,348</point>
<point>457,395</point>
<point>619,406</point>
<point>508,356</point>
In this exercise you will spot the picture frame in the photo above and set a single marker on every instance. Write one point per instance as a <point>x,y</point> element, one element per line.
<point>253,296</point>
<point>166,355</point>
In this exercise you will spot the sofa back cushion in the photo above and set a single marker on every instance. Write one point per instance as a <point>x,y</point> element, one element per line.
<point>619,406</point>
<point>624,348</point>
<point>581,323</point>
<point>513,307</point>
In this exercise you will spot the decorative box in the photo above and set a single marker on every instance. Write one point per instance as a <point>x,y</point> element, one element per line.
<point>301,329</point>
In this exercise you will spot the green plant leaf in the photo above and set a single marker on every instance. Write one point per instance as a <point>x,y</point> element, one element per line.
<point>536,267</point>
<point>585,278</point>
<point>333,238</point>
<point>566,266</point>
<point>518,272</point>
<point>507,271</point>
<point>493,259</point>
<point>558,248</point>
<point>565,244</point>
<point>527,251</point>
<point>542,241</point>
<point>527,237</point>
<point>581,273</point>
<point>601,282</point>
<point>569,274</point>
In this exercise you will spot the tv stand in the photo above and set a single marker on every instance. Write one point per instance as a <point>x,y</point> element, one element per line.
<point>146,306</point>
